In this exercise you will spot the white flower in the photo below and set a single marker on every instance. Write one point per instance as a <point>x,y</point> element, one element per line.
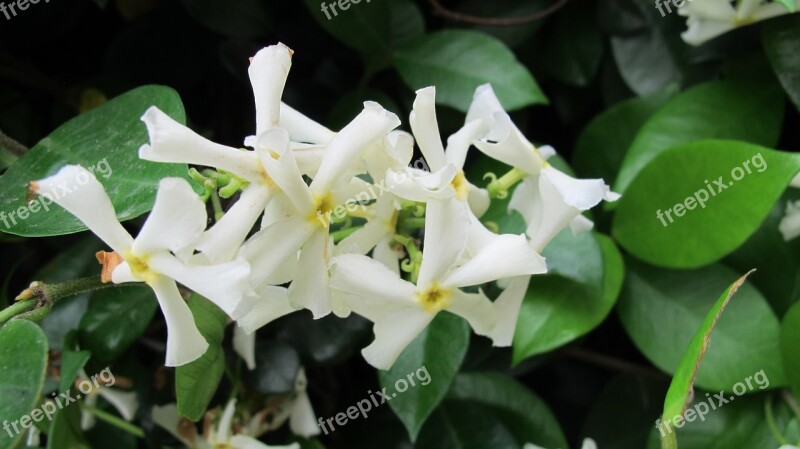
<point>378,233</point>
<point>313,205</point>
<point>177,219</point>
<point>272,303</point>
<point>124,402</point>
<point>172,142</point>
<point>400,310</point>
<point>221,436</point>
<point>790,223</point>
<point>547,198</point>
<point>707,19</point>
<point>298,410</point>
<point>588,443</point>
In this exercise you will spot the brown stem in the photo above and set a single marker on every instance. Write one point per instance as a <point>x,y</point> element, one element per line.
<point>440,10</point>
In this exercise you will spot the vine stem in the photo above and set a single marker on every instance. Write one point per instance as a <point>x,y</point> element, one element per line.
<point>439,9</point>
<point>113,420</point>
<point>35,302</point>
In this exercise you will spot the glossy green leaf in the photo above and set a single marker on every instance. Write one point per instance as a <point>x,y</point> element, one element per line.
<point>23,364</point>
<point>520,410</point>
<point>602,144</point>
<point>790,345</point>
<point>661,311</point>
<point>574,47</point>
<point>465,426</point>
<point>362,25</point>
<point>681,389</point>
<point>579,291</point>
<point>713,110</point>
<point>698,202</point>
<point>438,351</point>
<point>115,319</point>
<point>197,381</point>
<point>780,38</point>
<point>65,430</point>
<point>457,62</point>
<point>72,361</point>
<point>105,140</point>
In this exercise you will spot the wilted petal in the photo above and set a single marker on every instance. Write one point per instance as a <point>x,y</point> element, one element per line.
<point>426,128</point>
<point>373,123</point>
<point>268,71</point>
<point>172,142</point>
<point>221,242</point>
<point>185,343</point>
<point>177,219</point>
<point>77,190</point>
<point>507,306</point>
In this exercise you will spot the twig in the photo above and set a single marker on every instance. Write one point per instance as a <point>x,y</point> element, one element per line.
<point>14,147</point>
<point>440,10</point>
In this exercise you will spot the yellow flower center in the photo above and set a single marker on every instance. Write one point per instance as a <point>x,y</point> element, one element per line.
<point>139,267</point>
<point>460,185</point>
<point>223,446</point>
<point>323,211</point>
<point>434,298</point>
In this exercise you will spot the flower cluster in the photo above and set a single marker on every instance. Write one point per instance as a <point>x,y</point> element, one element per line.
<point>343,222</point>
<point>707,19</point>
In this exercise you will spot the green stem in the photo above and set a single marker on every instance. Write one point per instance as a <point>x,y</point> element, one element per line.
<point>36,301</point>
<point>499,187</point>
<point>18,308</point>
<point>216,204</point>
<point>414,256</point>
<point>773,427</point>
<point>114,420</point>
<point>341,234</point>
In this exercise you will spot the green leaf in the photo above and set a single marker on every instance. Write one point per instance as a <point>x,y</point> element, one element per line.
<point>65,431</point>
<point>106,140</point>
<point>116,318</point>
<point>662,309</point>
<point>790,341</point>
<point>623,414</point>
<point>247,19</point>
<point>696,203</point>
<point>465,426</point>
<point>713,110</point>
<point>407,22</point>
<point>681,389</point>
<point>457,61</point>
<point>574,47</point>
<point>790,5</point>
<point>72,361</point>
<point>23,364</point>
<point>277,365</point>
<point>581,288</point>
<point>521,411</point>
<point>364,26</point>
<point>7,158</point>
<point>780,38</point>
<point>197,381</point>
<point>438,351</point>
<point>602,144</point>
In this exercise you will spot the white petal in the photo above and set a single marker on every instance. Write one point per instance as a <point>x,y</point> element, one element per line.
<point>373,123</point>
<point>506,144</point>
<point>224,428</point>
<point>226,285</point>
<point>177,220</point>
<point>790,223</point>
<point>426,129</point>
<point>417,185</point>
<point>272,303</point>
<point>525,199</point>
<point>124,401</point>
<point>447,225</point>
<point>589,443</point>
<point>484,106</point>
<point>185,343</point>
<point>172,142</point>
<point>356,190</point>
<point>700,31</point>
<point>245,345</point>
<point>245,442</point>
<point>122,274</point>
<point>531,446</point>
<point>303,421</point>
<point>308,158</point>
<point>507,306</point>
<point>221,242</point>
<point>478,200</point>
<point>77,190</point>
<point>167,418</point>
<point>716,10</point>
<point>580,224</point>
<point>476,308</point>
<point>394,154</point>
<point>459,143</point>
<point>508,256</point>
<point>284,171</point>
<point>302,128</point>
<point>268,71</point>
<point>364,239</point>
<point>394,331</point>
<point>386,254</point>
<point>309,290</point>
<point>370,284</point>
<point>274,246</point>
